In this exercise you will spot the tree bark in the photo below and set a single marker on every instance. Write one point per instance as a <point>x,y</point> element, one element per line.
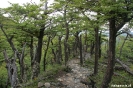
<point>66,51</point>
<point>38,55</point>
<point>31,50</point>
<point>92,48</point>
<point>96,50</point>
<point>11,69</point>
<point>22,65</point>
<point>53,51</point>
<point>100,45</point>
<point>80,49</point>
<point>85,42</point>
<point>59,50</point>
<point>44,59</point>
<point>76,44</point>
<point>111,54</point>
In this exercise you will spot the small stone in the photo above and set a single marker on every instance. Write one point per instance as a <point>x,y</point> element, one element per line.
<point>59,79</point>
<point>70,79</point>
<point>68,74</point>
<point>80,75</point>
<point>47,85</point>
<point>40,84</point>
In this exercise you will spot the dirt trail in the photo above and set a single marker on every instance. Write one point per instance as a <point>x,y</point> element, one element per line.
<point>73,79</point>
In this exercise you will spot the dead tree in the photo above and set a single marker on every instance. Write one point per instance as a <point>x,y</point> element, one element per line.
<point>11,69</point>
<point>19,55</point>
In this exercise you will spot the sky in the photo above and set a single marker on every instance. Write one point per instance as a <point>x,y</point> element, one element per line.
<point>4,3</point>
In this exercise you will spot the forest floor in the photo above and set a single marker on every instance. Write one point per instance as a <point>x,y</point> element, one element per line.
<point>77,77</point>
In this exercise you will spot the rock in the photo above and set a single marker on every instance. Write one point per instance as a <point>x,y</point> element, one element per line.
<point>47,85</point>
<point>76,78</point>
<point>40,84</point>
<point>60,79</point>
<point>80,75</point>
<point>70,79</point>
<point>68,74</point>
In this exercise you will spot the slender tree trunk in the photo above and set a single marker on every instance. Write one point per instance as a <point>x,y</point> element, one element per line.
<point>67,36</point>
<point>96,50</point>
<point>31,50</point>
<point>111,54</point>
<point>92,48</point>
<point>53,51</point>
<point>65,51</point>
<point>44,59</point>
<point>80,49</point>
<point>100,46</point>
<point>77,40</point>
<point>60,51</point>
<point>86,45</point>
<point>22,65</point>
<point>76,44</point>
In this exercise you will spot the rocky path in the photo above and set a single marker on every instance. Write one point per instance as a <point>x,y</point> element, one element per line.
<point>75,77</point>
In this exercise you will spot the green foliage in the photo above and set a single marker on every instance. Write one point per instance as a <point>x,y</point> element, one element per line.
<point>3,74</point>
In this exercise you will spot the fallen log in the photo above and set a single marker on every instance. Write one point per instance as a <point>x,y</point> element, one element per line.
<point>126,68</point>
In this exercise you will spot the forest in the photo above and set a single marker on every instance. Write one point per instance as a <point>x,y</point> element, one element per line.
<point>67,44</point>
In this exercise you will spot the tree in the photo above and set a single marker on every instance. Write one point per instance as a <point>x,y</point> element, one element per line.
<point>29,19</point>
<point>117,19</point>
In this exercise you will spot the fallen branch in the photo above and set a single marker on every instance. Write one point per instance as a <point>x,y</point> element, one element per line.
<point>126,68</point>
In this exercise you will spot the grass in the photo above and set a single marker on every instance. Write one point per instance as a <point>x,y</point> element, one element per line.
<point>47,76</point>
<point>122,79</point>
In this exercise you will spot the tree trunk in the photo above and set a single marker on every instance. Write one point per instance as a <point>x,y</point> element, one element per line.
<point>65,51</point>
<point>80,49</point>
<point>96,50</point>
<point>85,42</point>
<point>100,46</point>
<point>22,65</point>
<point>67,35</point>
<point>92,48</point>
<point>53,51</point>
<point>44,59</point>
<point>111,54</point>
<point>76,44</point>
<point>31,50</point>
<point>59,51</point>
<point>11,69</point>
<point>38,54</point>
<point>36,63</point>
